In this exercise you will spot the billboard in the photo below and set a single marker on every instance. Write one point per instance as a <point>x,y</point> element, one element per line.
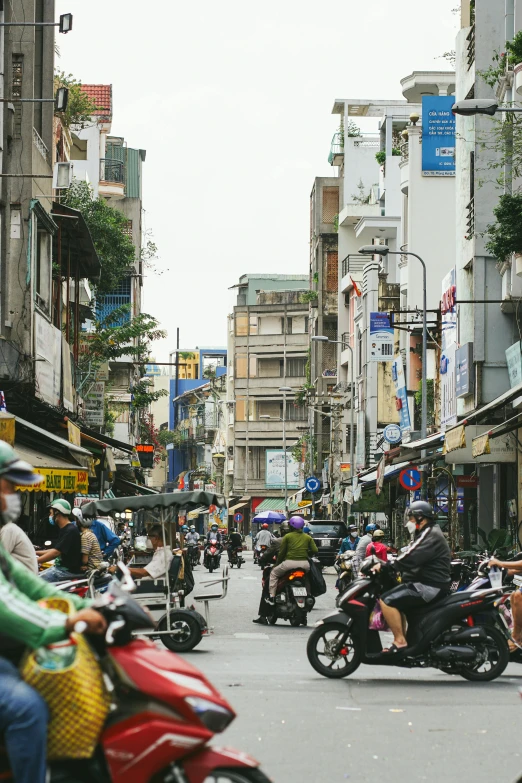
<point>275,470</point>
<point>438,136</point>
<point>381,338</point>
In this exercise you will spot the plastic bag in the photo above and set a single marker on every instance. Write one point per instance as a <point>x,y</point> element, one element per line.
<point>317,583</point>
<point>377,621</point>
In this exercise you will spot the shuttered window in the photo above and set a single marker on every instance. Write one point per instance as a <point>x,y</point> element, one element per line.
<point>330,204</point>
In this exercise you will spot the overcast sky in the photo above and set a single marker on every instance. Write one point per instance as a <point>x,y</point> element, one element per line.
<point>232,102</point>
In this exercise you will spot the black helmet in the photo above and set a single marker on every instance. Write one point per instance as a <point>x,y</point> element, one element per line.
<point>420,509</point>
<point>284,528</point>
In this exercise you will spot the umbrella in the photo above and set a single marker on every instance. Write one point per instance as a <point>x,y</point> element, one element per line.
<point>269,516</point>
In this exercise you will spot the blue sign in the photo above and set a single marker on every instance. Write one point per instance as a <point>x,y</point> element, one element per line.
<point>438,136</point>
<point>312,484</point>
<point>381,338</point>
<point>392,434</point>
<point>238,517</point>
<point>410,479</point>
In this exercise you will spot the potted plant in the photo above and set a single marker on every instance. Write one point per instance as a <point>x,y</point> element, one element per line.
<point>505,235</point>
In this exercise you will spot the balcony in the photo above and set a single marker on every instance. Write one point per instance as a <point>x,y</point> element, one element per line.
<point>335,158</point>
<point>352,268</point>
<point>112,178</point>
<point>352,213</point>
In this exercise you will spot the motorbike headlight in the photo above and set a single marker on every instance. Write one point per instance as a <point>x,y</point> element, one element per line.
<point>215,717</point>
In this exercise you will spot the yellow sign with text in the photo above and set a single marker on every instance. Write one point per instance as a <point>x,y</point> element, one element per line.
<point>65,481</point>
<point>7,428</point>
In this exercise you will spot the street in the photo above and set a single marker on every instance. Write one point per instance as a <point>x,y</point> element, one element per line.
<point>391,724</point>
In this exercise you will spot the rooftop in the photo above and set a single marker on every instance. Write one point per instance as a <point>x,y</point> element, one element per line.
<point>101,94</point>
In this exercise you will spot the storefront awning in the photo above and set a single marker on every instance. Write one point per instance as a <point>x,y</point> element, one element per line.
<point>134,489</point>
<point>233,509</point>
<point>389,471</point>
<point>430,442</point>
<point>278,504</point>
<point>60,476</point>
<point>197,511</point>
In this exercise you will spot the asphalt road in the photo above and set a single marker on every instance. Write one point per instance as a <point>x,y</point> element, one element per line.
<point>397,725</point>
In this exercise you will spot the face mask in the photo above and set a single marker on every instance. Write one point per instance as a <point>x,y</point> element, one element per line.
<point>51,520</point>
<point>411,527</point>
<point>353,534</point>
<point>13,508</point>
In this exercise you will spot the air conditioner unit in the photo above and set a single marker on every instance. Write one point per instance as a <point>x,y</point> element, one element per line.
<point>62,175</point>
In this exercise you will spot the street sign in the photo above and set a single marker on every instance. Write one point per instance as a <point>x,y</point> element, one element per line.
<point>238,517</point>
<point>312,484</point>
<point>146,454</point>
<point>392,434</point>
<point>410,479</point>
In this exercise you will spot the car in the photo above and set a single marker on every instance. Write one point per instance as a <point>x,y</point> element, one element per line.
<point>327,534</point>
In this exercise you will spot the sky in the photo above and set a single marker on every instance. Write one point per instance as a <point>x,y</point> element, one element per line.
<point>232,102</point>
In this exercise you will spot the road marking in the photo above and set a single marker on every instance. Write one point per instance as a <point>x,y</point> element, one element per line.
<point>251,636</point>
<point>249,577</point>
<point>352,709</point>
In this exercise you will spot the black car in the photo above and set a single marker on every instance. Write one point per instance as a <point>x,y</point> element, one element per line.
<point>327,534</point>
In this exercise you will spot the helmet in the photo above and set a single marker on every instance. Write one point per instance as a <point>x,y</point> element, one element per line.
<point>214,527</point>
<point>370,528</point>
<point>80,519</point>
<point>306,529</point>
<point>15,469</point>
<point>192,528</point>
<point>420,509</point>
<point>184,528</point>
<point>63,506</point>
<point>264,526</point>
<point>379,534</point>
<point>284,528</point>
<point>352,528</point>
<point>296,522</point>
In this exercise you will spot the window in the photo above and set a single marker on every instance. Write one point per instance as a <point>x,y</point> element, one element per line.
<point>246,324</point>
<point>241,365</point>
<point>297,324</point>
<point>42,268</point>
<point>16,92</point>
<point>253,324</point>
<point>241,409</point>
<point>255,462</point>
<point>331,271</point>
<point>296,367</point>
<point>270,368</point>
<point>270,408</point>
<point>271,324</point>
<point>330,204</point>
<point>296,412</point>
<point>252,366</point>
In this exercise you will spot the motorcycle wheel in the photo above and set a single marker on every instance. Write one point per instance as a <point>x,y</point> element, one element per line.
<point>235,775</point>
<point>498,651</point>
<point>272,620</point>
<point>187,632</point>
<point>239,564</point>
<point>295,622</point>
<point>322,647</point>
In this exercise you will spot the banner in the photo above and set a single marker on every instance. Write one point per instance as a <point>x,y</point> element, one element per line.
<point>7,428</point>
<point>74,433</point>
<point>401,399</point>
<point>381,338</point>
<point>65,481</point>
<point>438,136</point>
<point>455,439</point>
<point>275,470</point>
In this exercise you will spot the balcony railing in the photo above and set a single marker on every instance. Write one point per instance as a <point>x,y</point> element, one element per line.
<point>336,147</point>
<point>112,170</point>
<point>405,150</point>
<point>470,38</point>
<point>354,263</point>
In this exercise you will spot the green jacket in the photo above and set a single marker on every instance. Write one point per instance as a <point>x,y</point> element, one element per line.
<point>21,619</point>
<point>296,546</point>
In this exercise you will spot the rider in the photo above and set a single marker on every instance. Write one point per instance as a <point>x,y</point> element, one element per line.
<point>19,545</point>
<point>425,567</point>
<point>265,610</point>
<point>214,534</point>
<point>91,552</point>
<point>264,537</point>
<point>360,550</point>
<point>192,541</point>
<point>376,547</point>
<point>107,540</point>
<point>296,547</point>
<point>349,544</point>
<point>67,552</point>
<point>24,623</point>
<point>234,542</point>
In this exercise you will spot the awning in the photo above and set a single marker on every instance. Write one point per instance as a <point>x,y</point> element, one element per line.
<point>128,486</point>
<point>166,500</point>
<point>425,443</point>
<point>389,471</point>
<point>278,504</point>
<point>60,476</point>
<point>197,512</point>
<point>76,451</point>
<point>508,396</point>
<point>73,224</point>
<point>116,444</point>
<point>233,509</point>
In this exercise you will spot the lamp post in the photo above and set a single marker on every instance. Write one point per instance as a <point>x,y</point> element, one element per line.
<point>285,390</point>
<point>323,339</point>
<point>384,250</point>
<point>489,106</point>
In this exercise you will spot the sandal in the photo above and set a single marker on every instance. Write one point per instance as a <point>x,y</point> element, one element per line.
<point>393,649</point>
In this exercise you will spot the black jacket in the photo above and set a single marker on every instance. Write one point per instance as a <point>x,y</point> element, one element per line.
<point>427,559</point>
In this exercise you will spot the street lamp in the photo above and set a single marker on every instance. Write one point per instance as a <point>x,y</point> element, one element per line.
<point>285,390</point>
<point>384,250</point>
<point>323,339</point>
<point>472,106</point>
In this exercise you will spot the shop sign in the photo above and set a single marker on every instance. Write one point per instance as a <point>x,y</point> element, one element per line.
<point>464,370</point>
<point>448,397</point>
<point>381,338</point>
<point>74,433</point>
<point>480,445</point>
<point>66,481</point>
<point>380,475</point>
<point>146,454</point>
<point>455,439</point>
<point>470,482</point>
<point>7,428</point>
<point>392,434</point>
<point>514,365</point>
<point>484,449</point>
<point>94,404</point>
<point>344,467</point>
<point>438,136</point>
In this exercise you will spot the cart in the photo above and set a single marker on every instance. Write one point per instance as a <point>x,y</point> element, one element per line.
<point>179,629</point>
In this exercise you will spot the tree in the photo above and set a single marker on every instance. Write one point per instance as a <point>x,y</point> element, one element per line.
<point>80,107</point>
<point>107,227</point>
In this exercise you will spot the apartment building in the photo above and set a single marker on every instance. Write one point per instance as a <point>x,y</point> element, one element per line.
<point>268,350</point>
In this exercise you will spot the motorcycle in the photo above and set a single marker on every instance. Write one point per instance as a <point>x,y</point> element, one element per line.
<point>163,712</point>
<point>212,556</point>
<point>236,557</point>
<point>344,568</point>
<point>293,600</point>
<point>461,633</point>
<point>194,555</point>
<point>259,551</point>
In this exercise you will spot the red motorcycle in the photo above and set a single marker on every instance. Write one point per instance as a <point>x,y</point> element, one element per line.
<point>212,556</point>
<point>163,715</point>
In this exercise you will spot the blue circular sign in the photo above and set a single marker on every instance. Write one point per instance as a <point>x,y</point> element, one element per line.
<point>392,433</point>
<point>312,484</point>
<point>238,517</point>
<point>411,479</point>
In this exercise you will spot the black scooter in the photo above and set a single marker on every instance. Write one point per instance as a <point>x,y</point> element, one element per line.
<point>462,633</point>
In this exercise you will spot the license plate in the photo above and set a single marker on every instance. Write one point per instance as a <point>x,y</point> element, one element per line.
<point>325,542</point>
<point>301,591</point>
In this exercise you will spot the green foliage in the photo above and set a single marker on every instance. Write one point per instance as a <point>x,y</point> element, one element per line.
<point>380,156</point>
<point>300,397</point>
<point>353,130</point>
<point>107,226</point>
<point>309,297</point>
<point>142,396</point>
<point>336,222</point>
<point>187,355</point>
<point>505,235</point>
<point>169,436</point>
<point>361,197</point>
<point>297,452</point>
<point>315,277</point>
<point>514,49</point>
<point>80,108</point>
<point>498,541</point>
<point>495,70</point>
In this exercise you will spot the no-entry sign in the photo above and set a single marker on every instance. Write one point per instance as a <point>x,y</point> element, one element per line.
<point>410,479</point>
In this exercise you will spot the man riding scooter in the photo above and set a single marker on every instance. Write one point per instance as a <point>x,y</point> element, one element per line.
<point>192,542</point>
<point>24,623</point>
<point>234,542</point>
<point>266,610</point>
<point>426,572</point>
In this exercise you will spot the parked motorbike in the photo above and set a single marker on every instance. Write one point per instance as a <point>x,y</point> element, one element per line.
<point>163,712</point>
<point>461,633</point>
<point>343,565</point>
<point>236,557</point>
<point>212,556</point>
<point>293,600</point>
<point>194,555</point>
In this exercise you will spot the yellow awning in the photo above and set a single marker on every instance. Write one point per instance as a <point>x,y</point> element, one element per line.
<point>233,509</point>
<point>60,476</point>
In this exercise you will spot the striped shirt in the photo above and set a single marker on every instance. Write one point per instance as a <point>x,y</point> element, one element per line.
<point>91,548</point>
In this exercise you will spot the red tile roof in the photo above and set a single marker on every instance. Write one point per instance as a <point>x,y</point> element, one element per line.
<point>101,94</point>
